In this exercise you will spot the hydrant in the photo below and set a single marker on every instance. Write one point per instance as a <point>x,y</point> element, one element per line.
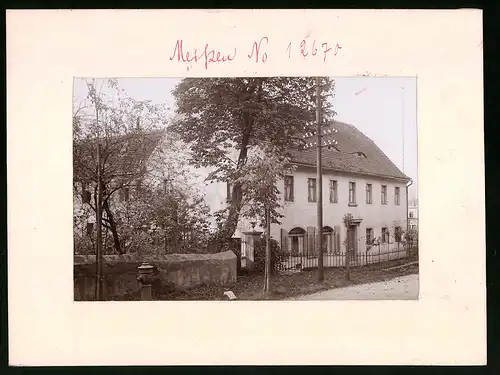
<point>145,280</point>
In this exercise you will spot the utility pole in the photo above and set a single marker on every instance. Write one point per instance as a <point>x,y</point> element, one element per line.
<point>319,179</point>
<point>98,210</point>
<point>99,265</point>
<point>403,124</point>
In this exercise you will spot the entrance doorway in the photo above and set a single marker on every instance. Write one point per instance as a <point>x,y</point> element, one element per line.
<point>328,236</point>
<point>352,242</point>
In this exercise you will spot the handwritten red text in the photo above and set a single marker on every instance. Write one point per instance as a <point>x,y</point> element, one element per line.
<point>207,56</point>
<point>256,50</point>
<point>306,49</point>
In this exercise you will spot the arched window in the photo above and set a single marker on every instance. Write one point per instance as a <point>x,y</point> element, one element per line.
<point>296,243</point>
<point>297,232</point>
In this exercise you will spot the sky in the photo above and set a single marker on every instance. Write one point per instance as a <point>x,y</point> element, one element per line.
<point>383,108</point>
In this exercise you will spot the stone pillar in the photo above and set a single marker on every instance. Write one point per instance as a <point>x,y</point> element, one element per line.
<point>145,279</point>
<point>249,242</point>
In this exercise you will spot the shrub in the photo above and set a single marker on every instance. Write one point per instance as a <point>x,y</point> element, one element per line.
<point>277,256</point>
<point>82,245</point>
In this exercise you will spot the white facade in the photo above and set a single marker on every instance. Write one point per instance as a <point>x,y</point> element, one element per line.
<point>302,213</point>
<point>375,215</point>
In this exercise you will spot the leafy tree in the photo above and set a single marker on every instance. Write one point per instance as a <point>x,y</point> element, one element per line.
<point>224,120</point>
<point>138,160</point>
<point>171,221</point>
<point>258,178</point>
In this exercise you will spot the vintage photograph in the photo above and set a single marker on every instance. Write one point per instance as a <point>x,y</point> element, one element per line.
<point>258,188</point>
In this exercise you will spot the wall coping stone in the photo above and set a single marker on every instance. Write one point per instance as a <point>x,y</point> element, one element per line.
<point>167,258</point>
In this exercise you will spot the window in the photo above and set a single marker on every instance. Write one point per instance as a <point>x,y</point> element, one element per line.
<point>411,214</point>
<point>369,193</point>
<point>359,153</point>
<point>296,241</point>
<point>369,237</point>
<point>90,228</point>
<point>352,193</point>
<point>413,227</point>
<point>124,194</point>
<point>289,188</point>
<point>86,194</point>
<point>396,195</point>
<point>311,190</point>
<point>385,235</point>
<point>397,234</point>
<point>333,191</point>
<point>384,194</point>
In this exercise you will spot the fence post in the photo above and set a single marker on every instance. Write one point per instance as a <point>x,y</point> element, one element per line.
<point>145,279</point>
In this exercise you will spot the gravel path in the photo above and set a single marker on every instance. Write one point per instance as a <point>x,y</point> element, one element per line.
<point>400,288</point>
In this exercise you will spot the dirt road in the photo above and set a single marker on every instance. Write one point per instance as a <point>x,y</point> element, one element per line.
<point>400,288</point>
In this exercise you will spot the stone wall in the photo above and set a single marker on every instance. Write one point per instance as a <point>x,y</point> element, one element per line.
<point>172,271</point>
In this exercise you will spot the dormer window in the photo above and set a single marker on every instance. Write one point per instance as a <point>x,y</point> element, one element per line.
<point>359,154</point>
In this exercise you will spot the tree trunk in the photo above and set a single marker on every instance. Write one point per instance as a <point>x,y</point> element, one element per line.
<point>223,237</point>
<point>112,227</point>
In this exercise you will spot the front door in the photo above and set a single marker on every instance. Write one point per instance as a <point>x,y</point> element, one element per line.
<point>326,242</point>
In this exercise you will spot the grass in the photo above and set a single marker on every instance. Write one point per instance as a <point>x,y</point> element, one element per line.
<point>250,287</point>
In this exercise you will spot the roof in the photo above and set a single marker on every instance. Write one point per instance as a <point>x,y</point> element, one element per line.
<point>133,150</point>
<point>123,153</point>
<point>345,156</point>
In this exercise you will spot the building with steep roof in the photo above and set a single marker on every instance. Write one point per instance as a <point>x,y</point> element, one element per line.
<point>358,179</point>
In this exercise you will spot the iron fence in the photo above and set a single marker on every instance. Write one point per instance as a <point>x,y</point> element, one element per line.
<point>300,253</point>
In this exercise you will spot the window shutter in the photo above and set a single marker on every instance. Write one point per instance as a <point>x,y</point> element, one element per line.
<point>310,241</point>
<point>284,239</point>
<point>337,239</point>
